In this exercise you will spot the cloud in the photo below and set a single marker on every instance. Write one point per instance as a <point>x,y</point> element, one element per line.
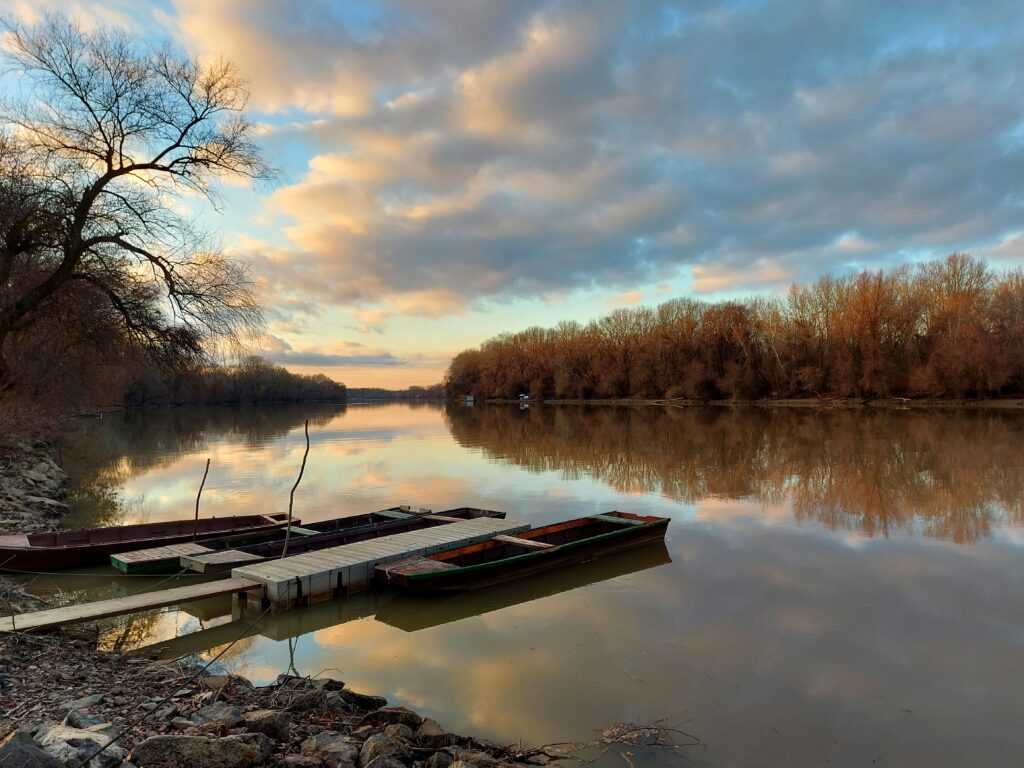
<point>349,353</point>
<point>465,150</point>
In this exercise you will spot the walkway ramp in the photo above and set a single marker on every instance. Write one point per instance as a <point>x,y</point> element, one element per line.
<point>320,574</point>
<point>104,609</point>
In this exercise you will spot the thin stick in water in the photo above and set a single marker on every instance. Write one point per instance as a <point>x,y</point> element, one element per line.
<point>291,499</point>
<point>195,523</point>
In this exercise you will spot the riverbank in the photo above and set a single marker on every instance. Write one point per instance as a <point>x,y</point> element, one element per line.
<point>811,403</point>
<point>63,702</point>
<point>33,487</point>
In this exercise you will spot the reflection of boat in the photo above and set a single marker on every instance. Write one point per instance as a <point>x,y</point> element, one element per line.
<point>274,626</point>
<point>328,533</point>
<point>400,611</point>
<point>220,554</point>
<point>82,547</point>
<point>412,613</point>
<point>504,558</point>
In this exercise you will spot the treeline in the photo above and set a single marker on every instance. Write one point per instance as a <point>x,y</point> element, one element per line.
<point>433,392</point>
<point>949,328</point>
<point>253,381</point>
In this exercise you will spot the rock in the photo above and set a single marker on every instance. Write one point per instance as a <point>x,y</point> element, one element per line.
<point>216,682</point>
<point>431,734</point>
<point>335,749</point>
<point>78,719</point>
<point>439,760</point>
<point>263,743</point>
<point>386,762</point>
<point>302,761</point>
<point>362,701</point>
<point>181,751</point>
<point>220,713</point>
<point>18,754</point>
<point>399,731</point>
<point>83,703</point>
<point>385,745</point>
<point>301,701</point>
<point>267,721</point>
<point>319,683</point>
<point>74,745</point>
<point>181,723</point>
<point>474,757</point>
<point>19,750</point>
<point>390,715</point>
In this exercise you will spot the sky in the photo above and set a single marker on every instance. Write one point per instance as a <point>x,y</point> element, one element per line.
<point>453,169</point>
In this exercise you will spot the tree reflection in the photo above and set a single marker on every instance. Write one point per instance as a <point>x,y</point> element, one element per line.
<point>949,474</point>
<point>101,455</point>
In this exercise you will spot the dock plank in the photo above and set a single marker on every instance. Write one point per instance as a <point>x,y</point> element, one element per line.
<point>352,565</point>
<point>102,609</point>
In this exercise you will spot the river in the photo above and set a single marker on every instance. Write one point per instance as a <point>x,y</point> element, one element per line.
<point>837,588</point>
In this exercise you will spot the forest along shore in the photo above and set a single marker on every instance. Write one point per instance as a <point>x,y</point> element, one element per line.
<point>818,403</point>
<point>62,700</point>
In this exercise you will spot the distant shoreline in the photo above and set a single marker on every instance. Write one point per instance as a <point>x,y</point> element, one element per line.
<point>895,403</point>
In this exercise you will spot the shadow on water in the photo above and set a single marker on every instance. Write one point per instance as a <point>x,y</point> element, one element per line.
<point>409,614</point>
<point>949,475</point>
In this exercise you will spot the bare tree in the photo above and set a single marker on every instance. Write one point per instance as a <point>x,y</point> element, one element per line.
<point>96,157</point>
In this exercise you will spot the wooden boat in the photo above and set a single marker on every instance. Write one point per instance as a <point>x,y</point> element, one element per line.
<point>221,554</point>
<point>504,558</point>
<point>81,547</point>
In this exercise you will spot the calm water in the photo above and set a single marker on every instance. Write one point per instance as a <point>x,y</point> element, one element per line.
<point>836,588</point>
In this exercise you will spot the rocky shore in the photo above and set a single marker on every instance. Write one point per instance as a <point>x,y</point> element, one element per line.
<point>33,487</point>
<point>62,702</point>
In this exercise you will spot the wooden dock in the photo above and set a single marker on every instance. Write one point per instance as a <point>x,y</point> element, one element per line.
<point>118,606</point>
<point>318,575</point>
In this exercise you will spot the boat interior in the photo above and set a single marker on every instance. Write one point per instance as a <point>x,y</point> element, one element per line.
<point>545,537</point>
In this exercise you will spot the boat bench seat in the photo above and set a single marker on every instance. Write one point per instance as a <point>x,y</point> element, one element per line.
<point>303,531</point>
<point>524,542</point>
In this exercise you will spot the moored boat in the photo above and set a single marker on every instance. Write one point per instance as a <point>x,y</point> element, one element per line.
<point>82,547</point>
<point>221,554</point>
<point>504,558</point>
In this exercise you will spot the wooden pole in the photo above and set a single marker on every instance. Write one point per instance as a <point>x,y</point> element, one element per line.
<point>291,499</point>
<point>195,523</point>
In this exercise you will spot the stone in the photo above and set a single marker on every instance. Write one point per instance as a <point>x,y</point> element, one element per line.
<point>216,682</point>
<point>74,746</point>
<point>19,750</point>
<point>78,719</point>
<point>439,760</point>
<point>431,734</point>
<point>335,749</point>
<point>18,754</point>
<point>363,701</point>
<point>386,762</point>
<point>181,723</point>
<point>302,701</point>
<point>263,743</point>
<point>220,713</point>
<point>270,722</point>
<point>474,757</point>
<point>389,715</point>
<point>399,731</point>
<point>83,703</point>
<point>302,761</point>
<point>384,745</point>
<point>174,751</point>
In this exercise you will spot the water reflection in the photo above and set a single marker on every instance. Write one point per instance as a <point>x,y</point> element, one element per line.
<point>952,475</point>
<point>812,605</point>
